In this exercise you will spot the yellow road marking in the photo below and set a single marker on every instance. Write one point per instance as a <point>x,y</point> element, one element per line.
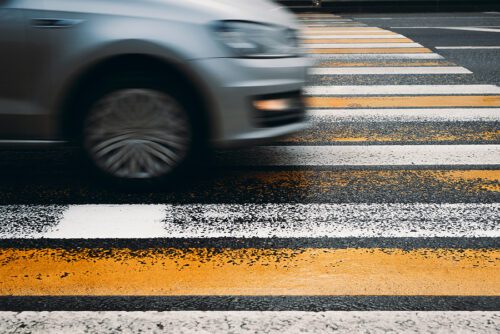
<point>357,41</point>
<point>250,271</point>
<point>371,50</point>
<point>383,63</point>
<point>310,183</point>
<point>404,101</point>
<point>488,180</point>
<point>405,134</point>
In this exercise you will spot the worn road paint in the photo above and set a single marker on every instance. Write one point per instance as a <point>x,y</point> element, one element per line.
<point>360,45</point>
<point>382,63</point>
<point>245,322</point>
<point>388,70</point>
<point>349,220</point>
<point>249,271</point>
<point>332,41</point>
<point>349,34</point>
<point>357,155</point>
<point>369,50</point>
<point>404,101</point>
<point>379,56</point>
<point>406,115</point>
<point>385,185</point>
<point>378,132</point>
<point>357,37</point>
<point>402,89</point>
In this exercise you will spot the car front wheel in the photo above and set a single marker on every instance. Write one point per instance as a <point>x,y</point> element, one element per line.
<point>139,132</point>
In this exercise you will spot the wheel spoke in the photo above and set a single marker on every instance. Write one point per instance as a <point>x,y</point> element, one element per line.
<point>137,133</point>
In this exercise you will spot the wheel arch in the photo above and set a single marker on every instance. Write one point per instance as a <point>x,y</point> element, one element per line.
<point>70,115</point>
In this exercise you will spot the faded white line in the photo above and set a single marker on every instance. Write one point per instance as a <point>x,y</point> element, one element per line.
<point>402,90</point>
<point>346,29</point>
<point>365,155</point>
<point>349,220</point>
<point>371,56</point>
<point>361,45</point>
<point>408,115</point>
<point>336,25</point>
<point>244,322</point>
<point>324,20</point>
<point>372,18</point>
<point>382,36</point>
<point>442,27</point>
<point>430,17</point>
<point>473,29</point>
<point>468,47</point>
<point>388,70</point>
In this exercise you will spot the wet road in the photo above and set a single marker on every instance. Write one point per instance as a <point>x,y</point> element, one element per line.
<point>388,202</point>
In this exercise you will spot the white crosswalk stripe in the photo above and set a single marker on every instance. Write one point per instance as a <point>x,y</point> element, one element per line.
<point>339,35</point>
<point>373,56</point>
<point>376,155</point>
<point>179,322</point>
<point>389,70</point>
<point>408,115</point>
<point>361,45</point>
<point>403,90</point>
<point>357,220</point>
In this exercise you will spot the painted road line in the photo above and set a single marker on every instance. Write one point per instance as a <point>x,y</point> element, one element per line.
<point>389,70</point>
<point>435,101</point>
<point>328,19</point>
<point>359,155</point>
<point>249,272</point>
<point>338,25</point>
<point>346,36</point>
<point>348,28</point>
<point>441,27</point>
<point>408,115</point>
<point>344,30</point>
<point>356,45</point>
<point>474,29</point>
<point>324,132</point>
<point>325,21</point>
<point>179,322</point>
<point>372,51</point>
<point>113,220</point>
<point>468,47</point>
<point>327,24</point>
<point>382,63</point>
<point>187,221</point>
<point>358,185</point>
<point>379,56</point>
<point>330,41</point>
<point>388,34</point>
<point>402,90</point>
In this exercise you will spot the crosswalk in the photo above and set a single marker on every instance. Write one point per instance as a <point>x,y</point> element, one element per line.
<point>383,216</point>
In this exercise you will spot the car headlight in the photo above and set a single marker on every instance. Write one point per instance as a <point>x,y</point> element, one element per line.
<point>255,40</point>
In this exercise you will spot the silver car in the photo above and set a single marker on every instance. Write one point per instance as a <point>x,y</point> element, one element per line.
<point>144,86</point>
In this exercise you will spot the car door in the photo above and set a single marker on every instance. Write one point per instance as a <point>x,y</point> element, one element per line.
<point>20,70</point>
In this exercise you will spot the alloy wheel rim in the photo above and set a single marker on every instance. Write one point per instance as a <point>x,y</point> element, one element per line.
<point>137,133</point>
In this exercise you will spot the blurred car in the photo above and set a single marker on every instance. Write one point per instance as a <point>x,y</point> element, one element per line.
<point>145,86</point>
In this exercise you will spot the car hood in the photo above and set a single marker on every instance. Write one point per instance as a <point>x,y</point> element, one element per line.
<point>193,11</point>
<point>265,11</point>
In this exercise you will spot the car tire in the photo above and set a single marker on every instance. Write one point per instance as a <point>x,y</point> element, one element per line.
<point>139,130</point>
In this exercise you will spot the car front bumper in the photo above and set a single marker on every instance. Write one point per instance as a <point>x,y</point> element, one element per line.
<point>238,87</point>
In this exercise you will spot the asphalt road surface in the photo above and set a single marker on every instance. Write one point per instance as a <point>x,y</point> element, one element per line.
<point>383,216</point>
